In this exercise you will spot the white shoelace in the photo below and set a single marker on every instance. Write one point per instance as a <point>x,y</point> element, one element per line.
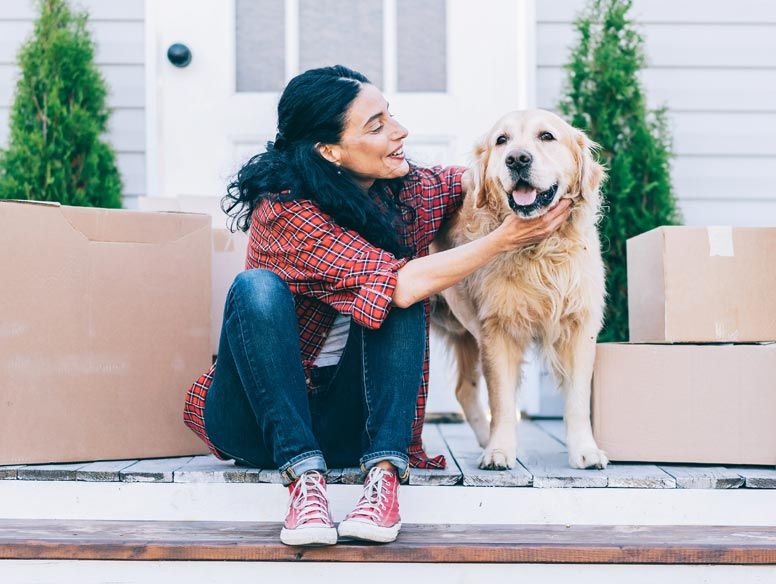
<point>309,497</point>
<point>375,496</point>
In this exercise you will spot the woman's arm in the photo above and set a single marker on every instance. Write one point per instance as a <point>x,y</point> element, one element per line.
<point>422,277</point>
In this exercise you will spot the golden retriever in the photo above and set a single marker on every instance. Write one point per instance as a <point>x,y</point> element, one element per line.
<point>550,292</point>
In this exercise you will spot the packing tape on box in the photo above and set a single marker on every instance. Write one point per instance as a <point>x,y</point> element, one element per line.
<point>720,241</point>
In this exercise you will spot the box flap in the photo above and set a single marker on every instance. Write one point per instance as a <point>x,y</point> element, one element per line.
<point>125,226</point>
<point>30,202</point>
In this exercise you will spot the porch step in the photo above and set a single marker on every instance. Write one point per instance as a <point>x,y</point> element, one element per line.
<point>249,541</point>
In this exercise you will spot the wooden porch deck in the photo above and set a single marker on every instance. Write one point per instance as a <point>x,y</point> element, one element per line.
<point>541,454</point>
<point>642,522</point>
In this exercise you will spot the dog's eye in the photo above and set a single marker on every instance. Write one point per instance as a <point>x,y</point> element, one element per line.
<point>501,139</point>
<point>546,137</point>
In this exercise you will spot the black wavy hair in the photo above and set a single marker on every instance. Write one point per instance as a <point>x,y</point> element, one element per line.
<point>313,108</point>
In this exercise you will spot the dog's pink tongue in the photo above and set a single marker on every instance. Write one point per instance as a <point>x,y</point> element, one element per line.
<point>524,196</point>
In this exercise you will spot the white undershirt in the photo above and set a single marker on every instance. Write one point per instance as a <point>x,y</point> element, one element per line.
<point>334,345</point>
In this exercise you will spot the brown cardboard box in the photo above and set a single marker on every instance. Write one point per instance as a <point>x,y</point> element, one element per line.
<point>229,250</point>
<point>702,284</point>
<point>686,403</point>
<point>104,325</point>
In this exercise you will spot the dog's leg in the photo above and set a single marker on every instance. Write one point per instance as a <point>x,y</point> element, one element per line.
<point>501,361</point>
<point>577,358</point>
<point>468,358</point>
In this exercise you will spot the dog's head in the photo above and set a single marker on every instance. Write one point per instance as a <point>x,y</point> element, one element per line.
<point>530,160</point>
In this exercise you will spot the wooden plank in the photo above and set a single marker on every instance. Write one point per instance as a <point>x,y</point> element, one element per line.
<point>683,89</point>
<point>116,42</point>
<point>270,476</point>
<point>97,9</point>
<point>618,475</point>
<point>741,11</point>
<point>693,136</point>
<point>466,453</point>
<point>243,540</point>
<point>546,459</point>
<point>126,130</point>
<point>344,476</point>
<point>8,472</point>
<point>554,427</point>
<point>434,444</point>
<point>637,476</point>
<point>756,477</point>
<point>748,212</point>
<point>126,83</point>
<point>209,469</point>
<point>703,477</point>
<point>49,472</point>
<point>132,169</point>
<point>103,470</point>
<point>668,45</point>
<point>443,418</point>
<point>153,470</point>
<point>334,476</point>
<point>351,476</point>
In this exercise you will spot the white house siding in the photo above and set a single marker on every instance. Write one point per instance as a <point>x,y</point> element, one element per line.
<point>118,30</point>
<point>713,63</point>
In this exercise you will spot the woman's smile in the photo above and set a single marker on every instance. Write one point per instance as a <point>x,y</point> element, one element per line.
<point>397,154</point>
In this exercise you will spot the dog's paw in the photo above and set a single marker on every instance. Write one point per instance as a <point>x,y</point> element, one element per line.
<point>588,456</point>
<point>497,459</point>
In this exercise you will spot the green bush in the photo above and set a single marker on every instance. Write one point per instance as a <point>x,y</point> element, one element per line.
<point>59,114</point>
<point>605,98</point>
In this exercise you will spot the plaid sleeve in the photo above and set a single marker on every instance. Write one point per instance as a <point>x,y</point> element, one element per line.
<point>319,258</point>
<point>443,190</point>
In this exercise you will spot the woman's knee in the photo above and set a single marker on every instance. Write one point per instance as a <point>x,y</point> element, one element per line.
<point>261,290</point>
<point>408,321</point>
<point>400,341</point>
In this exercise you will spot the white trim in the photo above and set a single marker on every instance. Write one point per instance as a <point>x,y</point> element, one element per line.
<point>419,504</point>
<point>292,38</point>
<point>152,163</point>
<point>206,572</point>
<point>526,33</point>
<point>231,45</point>
<point>390,49</point>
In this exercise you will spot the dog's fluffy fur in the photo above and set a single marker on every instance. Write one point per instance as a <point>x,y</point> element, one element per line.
<point>551,292</point>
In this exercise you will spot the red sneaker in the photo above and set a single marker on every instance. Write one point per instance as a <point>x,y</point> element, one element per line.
<point>376,516</point>
<point>308,520</point>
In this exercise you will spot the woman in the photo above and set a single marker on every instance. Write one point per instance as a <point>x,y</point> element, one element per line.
<point>323,355</point>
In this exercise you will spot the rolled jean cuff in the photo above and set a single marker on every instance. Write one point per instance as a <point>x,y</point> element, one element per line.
<point>293,469</point>
<point>398,459</point>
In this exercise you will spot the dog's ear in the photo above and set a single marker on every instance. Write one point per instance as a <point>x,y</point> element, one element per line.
<point>590,173</point>
<point>475,186</point>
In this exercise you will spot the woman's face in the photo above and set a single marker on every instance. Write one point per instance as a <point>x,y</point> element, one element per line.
<point>372,144</point>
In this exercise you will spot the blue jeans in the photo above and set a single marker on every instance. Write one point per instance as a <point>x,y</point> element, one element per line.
<point>360,412</point>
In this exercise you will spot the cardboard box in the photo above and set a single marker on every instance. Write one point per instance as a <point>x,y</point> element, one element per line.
<point>686,403</point>
<point>228,250</point>
<point>104,325</point>
<point>702,284</point>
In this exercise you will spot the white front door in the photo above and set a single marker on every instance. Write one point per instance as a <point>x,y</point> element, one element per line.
<point>449,69</point>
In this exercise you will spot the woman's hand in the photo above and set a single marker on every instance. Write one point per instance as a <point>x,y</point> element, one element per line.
<point>516,232</point>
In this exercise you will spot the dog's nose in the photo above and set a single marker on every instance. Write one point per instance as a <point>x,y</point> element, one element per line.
<point>519,159</point>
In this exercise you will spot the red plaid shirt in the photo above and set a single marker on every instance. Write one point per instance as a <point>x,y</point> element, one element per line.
<point>330,269</point>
